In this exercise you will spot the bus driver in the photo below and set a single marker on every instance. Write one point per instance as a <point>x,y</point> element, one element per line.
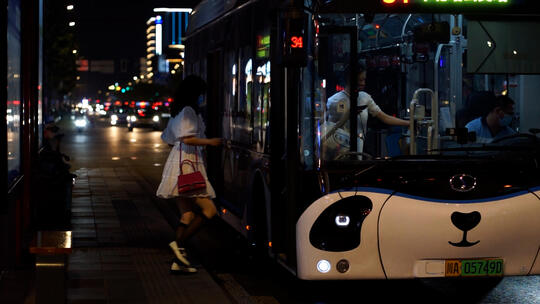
<point>336,128</point>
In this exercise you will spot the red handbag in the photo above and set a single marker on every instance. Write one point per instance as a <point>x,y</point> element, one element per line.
<point>190,181</point>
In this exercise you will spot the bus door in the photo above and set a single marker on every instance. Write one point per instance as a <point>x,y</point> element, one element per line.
<point>337,68</point>
<point>214,111</point>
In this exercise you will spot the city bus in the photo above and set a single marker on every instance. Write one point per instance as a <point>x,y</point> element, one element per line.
<point>422,200</point>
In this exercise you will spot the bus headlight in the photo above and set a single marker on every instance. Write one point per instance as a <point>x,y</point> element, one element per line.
<point>155,118</point>
<point>338,227</point>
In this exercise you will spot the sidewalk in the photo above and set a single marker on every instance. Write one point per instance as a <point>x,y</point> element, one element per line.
<point>120,246</point>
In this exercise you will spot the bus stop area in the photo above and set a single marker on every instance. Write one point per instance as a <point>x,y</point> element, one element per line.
<point>119,249</point>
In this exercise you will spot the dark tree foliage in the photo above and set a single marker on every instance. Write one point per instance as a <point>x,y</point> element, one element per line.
<point>60,68</point>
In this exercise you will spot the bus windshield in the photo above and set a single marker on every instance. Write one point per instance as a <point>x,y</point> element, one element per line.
<point>426,85</point>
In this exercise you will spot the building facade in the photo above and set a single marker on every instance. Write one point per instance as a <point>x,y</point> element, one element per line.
<point>164,46</point>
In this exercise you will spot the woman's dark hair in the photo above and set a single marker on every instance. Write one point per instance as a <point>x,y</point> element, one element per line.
<point>503,101</point>
<point>187,94</point>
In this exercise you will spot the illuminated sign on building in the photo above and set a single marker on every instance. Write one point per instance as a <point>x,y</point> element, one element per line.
<point>159,44</point>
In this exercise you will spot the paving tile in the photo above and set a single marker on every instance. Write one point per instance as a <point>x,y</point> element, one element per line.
<point>106,220</point>
<point>86,294</point>
<point>86,283</point>
<point>125,289</point>
<point>87,301</point>
<point>87,220</point>
<point>85,234</point>
<point>84,226</point>
<point>80,214</point>
<point>85,243</point>
<point>84,266</point>
<point>87,274</point>
<point>81,209</point>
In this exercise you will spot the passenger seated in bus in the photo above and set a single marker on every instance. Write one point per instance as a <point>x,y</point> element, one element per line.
<point>336,127</point>
<point>476,105</point>
<point>496,123</point>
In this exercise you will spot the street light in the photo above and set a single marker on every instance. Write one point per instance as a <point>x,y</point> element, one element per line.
<point>74,51</point>
<point>70,7</point>
<point>72,23</point>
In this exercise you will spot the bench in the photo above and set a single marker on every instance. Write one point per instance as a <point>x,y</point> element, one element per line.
<point>51,249</point>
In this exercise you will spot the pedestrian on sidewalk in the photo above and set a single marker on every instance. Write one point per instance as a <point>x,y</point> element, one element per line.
<point>186,133</point>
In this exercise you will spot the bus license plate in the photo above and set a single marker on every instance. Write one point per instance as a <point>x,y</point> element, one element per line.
<point>480,267</point>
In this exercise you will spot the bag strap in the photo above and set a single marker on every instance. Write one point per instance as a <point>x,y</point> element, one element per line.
<point>196,150</point>
<point>180,162</point>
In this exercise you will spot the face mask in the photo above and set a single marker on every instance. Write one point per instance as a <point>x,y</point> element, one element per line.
<point>506,120</point>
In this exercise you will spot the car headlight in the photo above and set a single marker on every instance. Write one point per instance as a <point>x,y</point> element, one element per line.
<point>81,123</point>
<point>114,117</point>
<point>155,118</point>
<point>133,118</point>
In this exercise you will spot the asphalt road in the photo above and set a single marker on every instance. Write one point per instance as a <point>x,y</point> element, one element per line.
<point>252,279</point>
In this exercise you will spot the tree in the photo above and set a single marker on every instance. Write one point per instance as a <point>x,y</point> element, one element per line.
<point>60,67</point>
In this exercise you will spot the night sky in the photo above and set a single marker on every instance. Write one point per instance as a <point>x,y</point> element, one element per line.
<point>116,28</point>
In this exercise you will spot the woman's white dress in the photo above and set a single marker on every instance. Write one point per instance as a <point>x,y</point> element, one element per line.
<point>186,123</point>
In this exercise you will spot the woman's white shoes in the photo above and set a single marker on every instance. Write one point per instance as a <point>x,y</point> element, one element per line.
<point>176,268</point>
<point>180,253</point>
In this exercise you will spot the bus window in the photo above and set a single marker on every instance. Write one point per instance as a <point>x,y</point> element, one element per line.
<point>230,95</point>
<point>262,103</point>
<point>242,113</point>
<point>333,126</point>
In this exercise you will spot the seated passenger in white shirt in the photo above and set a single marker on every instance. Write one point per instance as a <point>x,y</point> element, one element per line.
<point>496,123</point>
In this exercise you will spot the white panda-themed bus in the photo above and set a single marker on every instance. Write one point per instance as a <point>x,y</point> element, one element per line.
<point>434,198</point>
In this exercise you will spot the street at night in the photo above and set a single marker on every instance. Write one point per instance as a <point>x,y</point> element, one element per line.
<point>270,151</point>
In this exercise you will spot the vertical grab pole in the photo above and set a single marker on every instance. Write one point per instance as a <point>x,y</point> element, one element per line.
<point>434,115</point>
<point>435,96</point>
<point>412,139</point>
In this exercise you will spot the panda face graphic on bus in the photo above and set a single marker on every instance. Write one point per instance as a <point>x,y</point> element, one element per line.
<point>465,222</point>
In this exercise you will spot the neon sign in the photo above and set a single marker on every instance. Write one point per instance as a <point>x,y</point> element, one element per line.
<point>297,42</point>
